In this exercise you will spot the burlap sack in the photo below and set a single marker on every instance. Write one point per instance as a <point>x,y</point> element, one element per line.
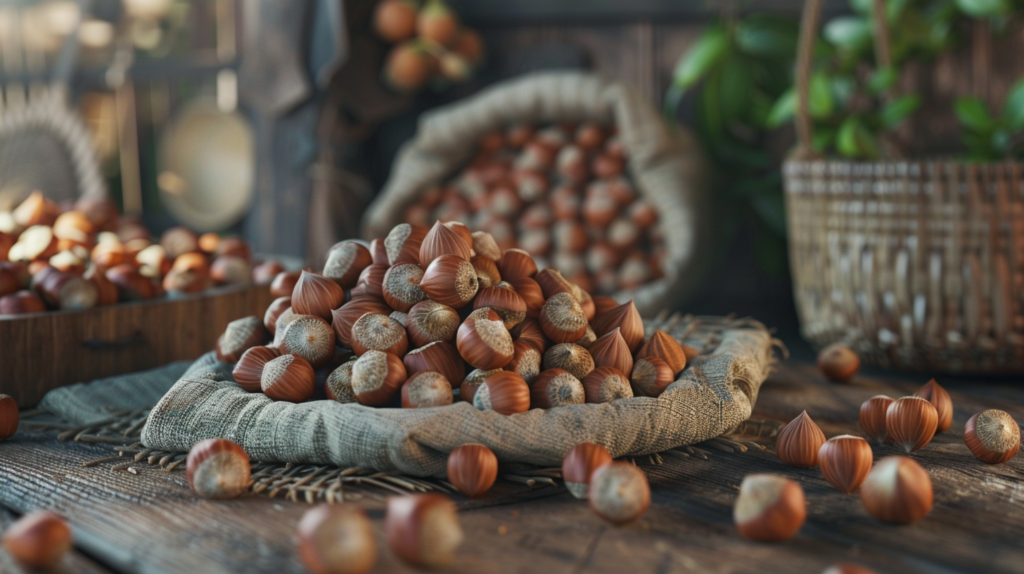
<point>713,394</point>
<point>667,166</point>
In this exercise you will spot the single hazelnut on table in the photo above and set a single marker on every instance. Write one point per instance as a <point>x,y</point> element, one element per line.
<point>483,341</point>
<point>218,468</point>
<point>423,529</point>
<point>240,336</point>
<point>505,302</point>
<point>248,371</point>
<point>503,392</point>
<point>515,264</point>
<point>562,319</point>
<point>626,318</point>
<point>611,350</point>
<point>650,377</point>
<point>426,389</point>
<point>472,468</point>
<point>39,539</point>
<point>992,436</point>
<point>666,348</point>
<point>770,508</point>
<point>378,332</point>
<point>401,286</point>
<point>606,384</point>
<point>800,441</point>
<point>377,378</point>
<point>569,357</point>
<point>403,243</point>
<point>911,422</point>
<point>316,295</point>
<point>343,317</point>
<point>338,386</point>
<point>838,362</point>
<point>442,240</point>
<point>897,490</point>
<point>619,492</point>
<point>430,321</point>
<point>845,461</point>
<point>284,283</point>
<point>526,361</point>
<point>439,356</point>
<point>554,388</point>
<point>872,417</point>
<point>288,378</point>
<point>933,392</point>
<point>336,539</point>
<point>345,261</point>
<point>579,466</point>
<point>309,337</point>
<point>9,417</point>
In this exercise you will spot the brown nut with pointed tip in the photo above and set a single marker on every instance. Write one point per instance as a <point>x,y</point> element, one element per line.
<point>430,321</point>
<point>770,508</point>
<point>39,539</point>
<point>838,363</point>
<point>309,337</point>
<point>345,261</point>
<point>248,371</point>
<point>401,286</point>
<point>531,294</point>
<point>217,468</point>
<point>562,319</point>
<point>423,529</point>
<point>897,490</point>
<point>516,263</point>
<point>439,356</point>
<point>451,281</point>
<point>469,385</point>
<point>526,361</point>
<point>800,441</point>
<point>933,392</point>
<point>288,378</point>
<point>650,377</point>
<point>911,422</point>
<point>666,348</point>
<point>485,246</point>
<point>606,384</point>
<point>316,295</point>
<point>569,357</point>
<point>872,417</point>
<point>992,436</point>
<point>442,240</point>
<point>505,302</point>
<point>284,283</point>
<point>378,332</point>
<point>240,336</point>
<point>377,378</point>
<point>555,388</point>
<point>627,319</point>
<point>338,385</point>
<point>274,312</point>
<point>619,493</point>
<point>336,539</point>
<point>845,461</point>
<point>403,243</point>
<point>483,341</point>
<point>503,392</point>
<point>486,271</point>
<point>611,350</point>
<point>426,389</point>
<point>579,465</point>
<point>344,317</point>
<point>472,468</point>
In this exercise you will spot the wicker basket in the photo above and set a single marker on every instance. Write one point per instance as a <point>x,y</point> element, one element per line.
<point>918,265</point>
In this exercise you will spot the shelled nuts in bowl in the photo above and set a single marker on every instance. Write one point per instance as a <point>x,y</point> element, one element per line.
<point>86,255</point>
<point>427,316</point>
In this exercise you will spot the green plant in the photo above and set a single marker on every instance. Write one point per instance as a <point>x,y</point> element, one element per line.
<point>992,137</point>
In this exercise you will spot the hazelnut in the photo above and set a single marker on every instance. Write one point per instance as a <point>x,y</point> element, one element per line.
<point>68,262</point>
<point>401,286</point>
<point>503,392</point>
<point>233,247</point>
<point>153,262</point>
<point>264,273</point>
<point>486,271</point>
<point>642,214</point>
<point>571,164</point>
<point>450,280</point>
<point>439,356</point>
<point>690,352</point>
<point>208,242</point>
<point>770,508</point>
<point>218,468</point>
<point>400,317</point>
<point>248,371</point>
<point>131,285</point>
<point>64,290</point>
<point>310,338</point>
<point>562,319</point>
<point>569,357</point>
<point>800,441</point>
<point>197,263</point>
<point>525,361</point>
<point>650,376</point>
<point>21,303</point>
<point>611,350</point>
<point>394,21</point>
<point>274,312</point>
<point>845,461</point>
<point>992,436</point>
<point>552,282</point>
<point>39,539</point>
<point>607,166</point>
<point>504,300</point>
<point>338,385</point>
<point>426,389</point>
<point>403,243</point>
<point>443,240</point>
<point>626,318</point>
<point>623,235</point>
<point>316,295</point>
<point>240,336</point>
<point>483,341</point>
<point>911,422</point>
<point>378,332</point>
<point>469,385</point>
<point>371,282</point>
<point>940,399</point>
<point>536,217</point>
<point>554,388</point>
<point>423,529</point>
<point>345,261</point>
<point>518,135</point>
<point>589,136</point>
<point>872,417</point>
<point>529,330</point>
<point>606,384</point>
<point>377,378</point>
<point>36,209</point>
<point>343,318</point>
<point>336,539</point>
<point>231,270</point>
<point>516,263</point>
<point>588,338</point>
<point>619,492</point>
<point>9,417</point>
<point>666,348</point>
<point>897,490</point>
<point>284,283</point>
<point>848,568</point>
<point>579,466</point>
<point>623,193</point>
<point>178,241</point>
<point>838,362</point>
<point>586,302</point>
<point>379,252</point>
<point>429,321</point>
<point>288,378</point>
<point>472,468</point>
<point>530,292</point>
<point>485,246</point>
<point>36,243</point>
<point>603,304</point>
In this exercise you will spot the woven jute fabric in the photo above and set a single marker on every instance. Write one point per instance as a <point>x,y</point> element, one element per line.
<point>713,395</point>
<point>667,165</point>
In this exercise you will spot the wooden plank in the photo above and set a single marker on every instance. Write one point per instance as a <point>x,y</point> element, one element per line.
<point>48,350</point>
<point>974,525</point>
<point>73,562</point>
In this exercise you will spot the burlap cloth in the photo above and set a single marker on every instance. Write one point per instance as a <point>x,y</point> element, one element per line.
<point>667,165</point>
<point>715,393</point>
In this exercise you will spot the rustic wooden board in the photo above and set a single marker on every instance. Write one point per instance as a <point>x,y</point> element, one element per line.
<point>45,351</point>
<point>975,525</point>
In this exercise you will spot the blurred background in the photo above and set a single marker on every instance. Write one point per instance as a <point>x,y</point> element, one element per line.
<point>280,120</point>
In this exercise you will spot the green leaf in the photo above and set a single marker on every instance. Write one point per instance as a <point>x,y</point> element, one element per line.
<point>767,36</point>
<point>898,110</point>
<point>893,8</point>
<point>783,110</point>
<point>820,96</point>
<point>973,114</point>
<point>823,138</point>
<point>1001,140</point>
<point>849,33</point>
<point>882,79</point>
<point>984,8</point>
<point>702,57</point>
<point>735,77</point>
<point>1014,108</point>
<point>855,141</point>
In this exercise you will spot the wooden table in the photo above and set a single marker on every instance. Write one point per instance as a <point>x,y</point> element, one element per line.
<point>150,522</point>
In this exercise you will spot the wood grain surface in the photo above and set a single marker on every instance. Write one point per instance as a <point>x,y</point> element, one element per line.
<point>974,526</point>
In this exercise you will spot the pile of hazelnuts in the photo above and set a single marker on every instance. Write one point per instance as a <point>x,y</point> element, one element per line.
<point>424,317</point>
<point>85,255</point>
<point>561,193</point>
